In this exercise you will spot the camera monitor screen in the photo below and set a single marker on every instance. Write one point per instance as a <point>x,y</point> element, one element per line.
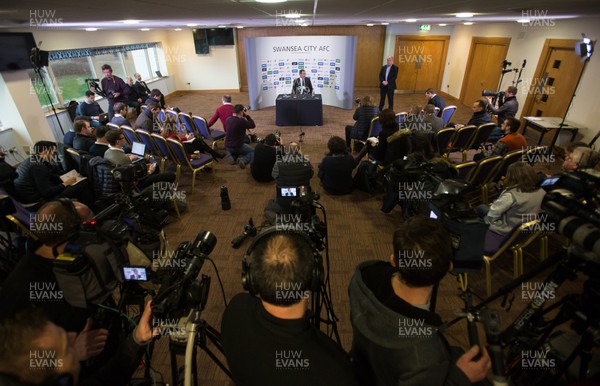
<point>290,191</point>
<point>550,181</point>
<point>135,273</point>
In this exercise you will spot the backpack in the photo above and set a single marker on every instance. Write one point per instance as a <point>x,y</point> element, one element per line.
<point>366,176</point>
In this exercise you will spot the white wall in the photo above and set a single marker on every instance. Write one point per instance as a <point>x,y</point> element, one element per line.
<point>527,43</point>
<point>217,70</point>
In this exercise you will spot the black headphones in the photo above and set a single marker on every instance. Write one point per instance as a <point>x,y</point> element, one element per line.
<point>317,271</point>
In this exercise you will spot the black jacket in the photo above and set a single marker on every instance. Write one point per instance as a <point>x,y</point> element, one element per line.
<point>507,110</point>
<point>363,117</point>
<point>37,182</point>
<point>262,163</point>
<point>480,118</point>
<point>335,172</point>
<point>308,88</point>
<point>391,79</point>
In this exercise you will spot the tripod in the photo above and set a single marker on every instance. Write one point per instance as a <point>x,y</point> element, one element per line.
<point>198,333</point>
<point>530,330</point>
<point>38,71</point>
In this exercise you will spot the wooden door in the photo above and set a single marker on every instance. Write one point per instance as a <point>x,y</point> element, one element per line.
<point>550,90</point>
<point>484,67</point>
<point>420,61</point>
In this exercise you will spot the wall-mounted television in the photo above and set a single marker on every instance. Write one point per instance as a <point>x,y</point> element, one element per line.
<point>220,36</point>
<point>15,50</point>
<point>200,41</point>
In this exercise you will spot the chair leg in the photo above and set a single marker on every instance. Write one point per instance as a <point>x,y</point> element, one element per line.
<point>176,207</point>
<point>22,227</point>
<point>193,180</point>
<point>464,155</point>
<point>178,173</point>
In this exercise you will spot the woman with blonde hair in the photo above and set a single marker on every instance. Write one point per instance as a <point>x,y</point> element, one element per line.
<point>519,202</point>
<point>363,116</point>
<point>190,143</point>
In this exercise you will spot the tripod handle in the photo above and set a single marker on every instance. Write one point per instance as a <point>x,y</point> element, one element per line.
<point>473,333</point>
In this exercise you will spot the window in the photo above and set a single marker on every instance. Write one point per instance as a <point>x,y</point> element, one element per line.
<point>70,76</point>
<point>68,70</point>
<point>114,60</point>
<point>37,87</point>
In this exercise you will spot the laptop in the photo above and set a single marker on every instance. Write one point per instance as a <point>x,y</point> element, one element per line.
<point>139,149</point>
<point>103,117</point>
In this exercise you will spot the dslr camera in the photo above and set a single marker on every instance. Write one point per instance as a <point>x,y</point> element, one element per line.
<point>487,93</point>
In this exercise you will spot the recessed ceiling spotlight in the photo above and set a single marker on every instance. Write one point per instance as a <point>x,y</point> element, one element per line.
<point>145,29</point>
<point>468,23</point>
<point>91,29</point>
<point>370,24</point>
<point>442,25</point>
<point>523,21</point>
<point>192,25</point>
<point>464,14</point>
<point>385,23</point>
<point>411,20</point>
<point>221,26</point>
<point>129,21</point>
<point>240,26</point>
<point>292,15</point>
<point>177,29</point>
<point>271,1</point>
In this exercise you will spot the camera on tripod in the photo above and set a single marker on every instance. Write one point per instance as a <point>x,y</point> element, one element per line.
<point>180,292</point>
<point>93,85</point>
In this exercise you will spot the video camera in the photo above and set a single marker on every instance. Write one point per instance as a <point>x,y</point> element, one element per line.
<point>95,87</point>
<point>571,202</point>
<point>180,291</point>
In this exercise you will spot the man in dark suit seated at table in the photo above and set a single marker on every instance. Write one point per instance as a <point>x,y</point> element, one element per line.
<point>302,85</point>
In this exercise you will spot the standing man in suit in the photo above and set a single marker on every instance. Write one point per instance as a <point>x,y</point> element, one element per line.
<point>302,85</point>
<point>387,83</point>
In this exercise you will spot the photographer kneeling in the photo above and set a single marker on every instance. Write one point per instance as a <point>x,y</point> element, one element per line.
<point>392,296</point>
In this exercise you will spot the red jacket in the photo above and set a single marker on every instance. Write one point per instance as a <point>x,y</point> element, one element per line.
<point>222,113</point>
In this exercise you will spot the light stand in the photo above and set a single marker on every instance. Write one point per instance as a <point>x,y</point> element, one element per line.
<point>38,70</point>
<point>563,124</point>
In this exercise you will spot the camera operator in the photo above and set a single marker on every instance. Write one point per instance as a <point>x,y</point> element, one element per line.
<point>363,116</point>
<point>274,324</point>
<point>235,135</point>
<point>28,337</point>
<point>388,298</point>
<point>33,284</point>
<point>114,87</point>
<point>265,155</point>
<point>506,109</point>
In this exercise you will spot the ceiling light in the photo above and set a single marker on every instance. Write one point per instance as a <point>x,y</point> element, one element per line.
<point>177,29</point>
<point>385,23</point>
<point>442,25</point>
<point>304,25</point>
<point>91,29</point>
<point>464,14</point>
<point>145,29</point>
<point>468,23</point>
<point>271,1</point>
<point>292,15</point>
<point>240,26</point>
<point>299,21</point>
<point>130,21</point>
<point>370,25</point>
<point>221,26</point>
<point>523,21</point>
<point>411,20</point>
<point>192,25</point>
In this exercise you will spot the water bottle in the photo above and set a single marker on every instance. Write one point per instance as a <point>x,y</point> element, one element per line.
<point>225,203</point>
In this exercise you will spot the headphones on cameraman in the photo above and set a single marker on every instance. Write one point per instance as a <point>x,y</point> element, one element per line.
<point>318,271</point>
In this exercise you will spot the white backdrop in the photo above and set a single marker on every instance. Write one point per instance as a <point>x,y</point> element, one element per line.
<point>273,63</point>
